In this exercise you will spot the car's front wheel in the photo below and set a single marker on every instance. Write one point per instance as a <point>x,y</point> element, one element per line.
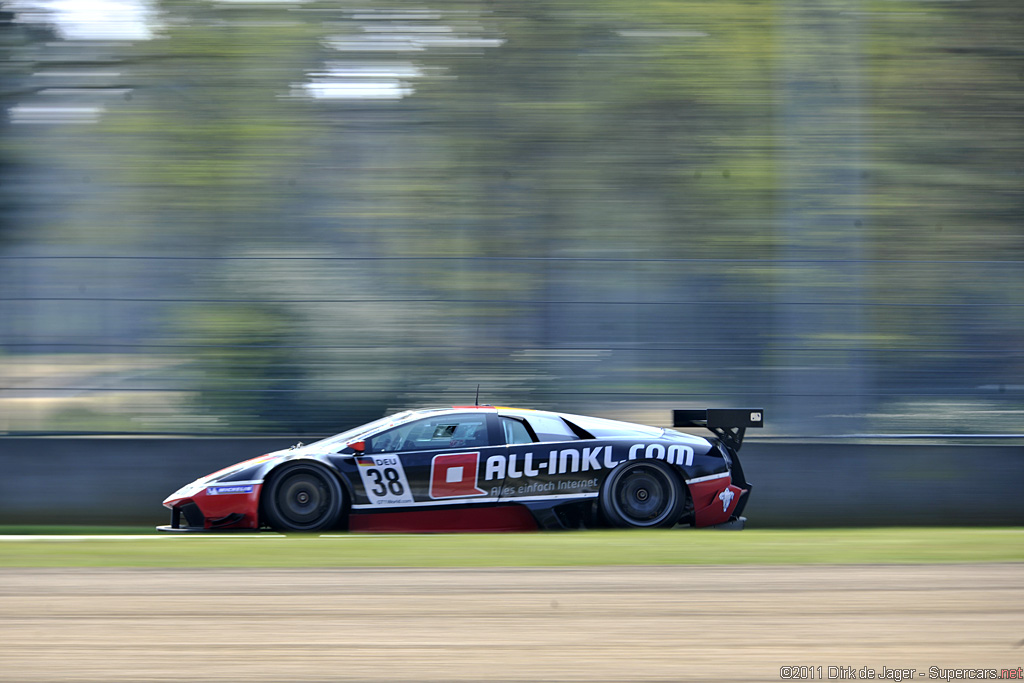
<point>643,493</point>
<point>302,497</point>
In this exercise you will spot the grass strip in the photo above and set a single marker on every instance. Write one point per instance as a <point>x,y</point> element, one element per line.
<point>586,548</point>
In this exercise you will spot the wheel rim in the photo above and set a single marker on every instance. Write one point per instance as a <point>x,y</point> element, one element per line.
<point>302,499</point>
<point>643,496</point>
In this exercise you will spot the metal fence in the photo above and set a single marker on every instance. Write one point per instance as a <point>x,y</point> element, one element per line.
<point>305,343</point>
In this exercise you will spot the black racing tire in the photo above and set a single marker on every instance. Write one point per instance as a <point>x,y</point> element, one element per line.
<point>302,497</point>
<point>645,494</point>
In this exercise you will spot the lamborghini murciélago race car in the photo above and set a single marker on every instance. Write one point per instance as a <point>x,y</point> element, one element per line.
<point>481,468</point>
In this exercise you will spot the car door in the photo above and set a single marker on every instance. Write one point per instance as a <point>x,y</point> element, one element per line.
<point>548,461</point>
<point>447,459</point>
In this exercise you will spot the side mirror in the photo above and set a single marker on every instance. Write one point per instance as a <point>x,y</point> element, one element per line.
<point>358,446</point>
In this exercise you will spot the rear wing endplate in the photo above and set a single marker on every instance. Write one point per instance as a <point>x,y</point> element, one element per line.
<point>728,424</point>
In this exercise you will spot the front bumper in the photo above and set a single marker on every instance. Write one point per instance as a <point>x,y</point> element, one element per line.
<point>220,506</point>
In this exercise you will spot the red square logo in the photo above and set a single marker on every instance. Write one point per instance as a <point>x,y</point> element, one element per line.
<point>453,475</point>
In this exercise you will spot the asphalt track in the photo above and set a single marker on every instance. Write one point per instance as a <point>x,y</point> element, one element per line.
<point>559,624</point>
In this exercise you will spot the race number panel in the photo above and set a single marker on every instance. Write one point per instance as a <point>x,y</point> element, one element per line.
<point>384,480</point>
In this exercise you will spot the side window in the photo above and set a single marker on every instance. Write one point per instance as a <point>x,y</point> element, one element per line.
<point>551,428</point>
<point>432,433</point>
<point>515,431</point>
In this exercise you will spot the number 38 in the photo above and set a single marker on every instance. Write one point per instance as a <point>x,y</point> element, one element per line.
<point>386,480</point>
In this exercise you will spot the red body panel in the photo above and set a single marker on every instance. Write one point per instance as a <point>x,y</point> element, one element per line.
<point>220,506</point>
<point>442,520</point>
<point>714,501</point>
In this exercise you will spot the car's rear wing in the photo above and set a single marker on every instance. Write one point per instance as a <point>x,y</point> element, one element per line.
<point>728,424</point>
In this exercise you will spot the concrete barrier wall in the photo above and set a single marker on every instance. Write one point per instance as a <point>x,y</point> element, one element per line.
<point>124,480</point>
<point>108,480</point>
<point>845,484</point>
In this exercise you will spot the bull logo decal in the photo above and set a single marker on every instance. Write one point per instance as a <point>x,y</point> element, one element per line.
<point>726,497</point>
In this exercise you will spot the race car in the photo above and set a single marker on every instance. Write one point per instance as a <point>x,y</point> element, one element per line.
<point>484,468</point>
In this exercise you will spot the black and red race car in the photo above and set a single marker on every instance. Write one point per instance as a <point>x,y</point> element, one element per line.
<point>482,468</point>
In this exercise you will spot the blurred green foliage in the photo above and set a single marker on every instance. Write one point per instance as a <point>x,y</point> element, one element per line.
<point>809,206</point>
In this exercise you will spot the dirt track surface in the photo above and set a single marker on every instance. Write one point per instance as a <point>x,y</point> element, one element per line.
<point>594,624</point>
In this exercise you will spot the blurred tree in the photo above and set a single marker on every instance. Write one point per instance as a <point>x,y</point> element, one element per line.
<point>19,51</point>
<point>794,202</point>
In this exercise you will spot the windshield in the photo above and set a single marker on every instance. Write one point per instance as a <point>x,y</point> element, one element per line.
<point>356,433</point>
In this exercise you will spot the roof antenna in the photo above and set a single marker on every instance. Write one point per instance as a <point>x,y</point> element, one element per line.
<point>477,395</point>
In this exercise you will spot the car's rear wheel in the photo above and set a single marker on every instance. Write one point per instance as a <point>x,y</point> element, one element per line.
<point>302,497</point>
<point>643,493</point>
